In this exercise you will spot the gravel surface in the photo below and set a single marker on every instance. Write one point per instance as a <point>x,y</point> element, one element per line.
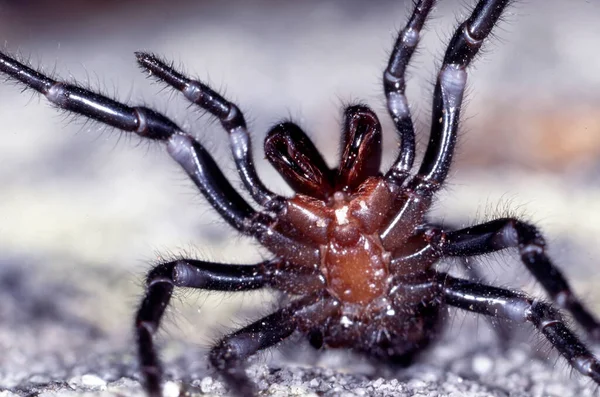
<point>85,211</point>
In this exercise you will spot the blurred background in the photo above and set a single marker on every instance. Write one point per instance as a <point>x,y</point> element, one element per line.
<point>85,210</point>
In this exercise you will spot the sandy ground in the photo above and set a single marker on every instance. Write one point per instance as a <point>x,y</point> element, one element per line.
<point>85,211</point>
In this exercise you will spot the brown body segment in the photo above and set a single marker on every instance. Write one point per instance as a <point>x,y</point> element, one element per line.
<point>355,273</point>
<point>352,257</point>
<point>354,261</point>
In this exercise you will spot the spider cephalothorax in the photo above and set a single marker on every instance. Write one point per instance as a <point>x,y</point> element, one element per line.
<point>352,249</point>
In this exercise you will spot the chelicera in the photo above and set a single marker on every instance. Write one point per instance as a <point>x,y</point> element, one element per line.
<point>352,249</point>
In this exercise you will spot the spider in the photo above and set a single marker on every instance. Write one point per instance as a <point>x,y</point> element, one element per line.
<point>352,249</point>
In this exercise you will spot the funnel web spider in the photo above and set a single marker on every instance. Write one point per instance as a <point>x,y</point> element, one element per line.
<point>352,248</point>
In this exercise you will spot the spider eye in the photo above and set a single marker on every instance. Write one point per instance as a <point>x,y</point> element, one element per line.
<point>361,140</point>
<point>296,158</point>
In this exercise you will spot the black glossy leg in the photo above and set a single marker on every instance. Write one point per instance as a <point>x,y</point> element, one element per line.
<point>146,123</point>
<point>508,232</point>
<point>503,331</point>
<point>450,86</point>
<point>447,102</point>
<point>471,269</point>
<point>394,86</point>
<point>229,356</point>
<point>159,288</point>
<point>231,119</point>
<point>207,276</point>
<point>182,147</point>
<point>518,307</point>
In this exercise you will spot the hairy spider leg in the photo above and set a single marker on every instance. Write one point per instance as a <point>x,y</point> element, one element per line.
<point>500,328</point>
<point>504,233</point>
<point>230,116</point>
<point>230,354</point>
<point>189,273</point>
<point>450,86</point>
<point>182,147</point>
<point>394,86</point>
<point>447,100</point>
<point>518,307</point>
<point>494,236</point>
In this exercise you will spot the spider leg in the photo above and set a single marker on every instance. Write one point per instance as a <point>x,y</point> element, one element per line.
<point>450,86</point>
<point>447,101</point>
<point>515,306</point>
<point>508,232</point>
<point>394,86</point>
<point>182,147</point>
<point>500,328</point>
<point>208,276</point>
<point>503,332</point>
<point>230,354</point>
<point>231,118</point>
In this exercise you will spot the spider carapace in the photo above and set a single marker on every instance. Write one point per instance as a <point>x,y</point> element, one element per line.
<point>353,250</point>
